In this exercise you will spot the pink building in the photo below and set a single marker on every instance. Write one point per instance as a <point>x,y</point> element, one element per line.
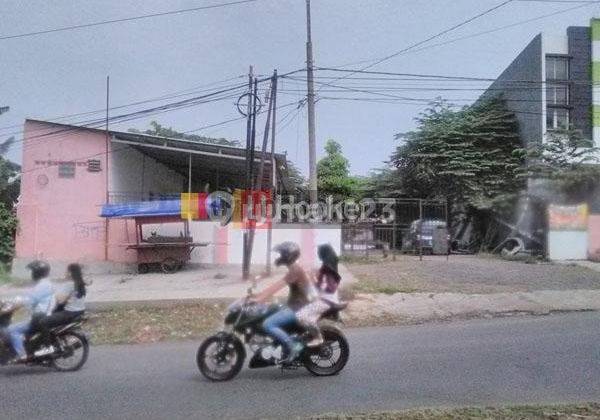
<point>70,172</point>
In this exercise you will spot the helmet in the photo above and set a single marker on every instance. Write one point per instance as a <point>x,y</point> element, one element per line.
<point>289,252</point>
<point>39,269</point>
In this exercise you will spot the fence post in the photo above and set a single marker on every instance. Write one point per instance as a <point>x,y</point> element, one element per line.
<point>420,229</point>
<point>394,242</point>
<point>366,242</point>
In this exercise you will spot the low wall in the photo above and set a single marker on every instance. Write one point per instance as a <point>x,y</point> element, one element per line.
<point>594,237</point>
<point>225,248</point>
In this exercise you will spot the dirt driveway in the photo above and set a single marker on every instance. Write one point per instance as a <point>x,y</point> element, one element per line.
<point>468,274</point>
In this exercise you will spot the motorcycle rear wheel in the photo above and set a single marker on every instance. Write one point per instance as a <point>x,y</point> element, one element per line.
<point>74,354</point>
<point>222,351</point>
<point>330,357</point>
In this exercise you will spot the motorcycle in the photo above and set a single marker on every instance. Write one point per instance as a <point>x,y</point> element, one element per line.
<point>71,344</point>
<point>221,356</point>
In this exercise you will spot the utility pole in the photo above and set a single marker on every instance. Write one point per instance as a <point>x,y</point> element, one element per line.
<point>312,147</point>
<point>107,145</point>
<point>245,265</point>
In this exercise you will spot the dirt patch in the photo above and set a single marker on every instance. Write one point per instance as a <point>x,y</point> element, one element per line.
<point>558,412</point>
<point>468,274</point>
<point>148,324</point>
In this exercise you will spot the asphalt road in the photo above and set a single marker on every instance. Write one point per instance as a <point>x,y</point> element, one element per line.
<point>520,360</point>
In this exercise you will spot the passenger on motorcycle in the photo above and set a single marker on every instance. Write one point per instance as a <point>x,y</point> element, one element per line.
<point>327,281</point>
<point>40,301</point>
<point>301,292</point>
<point>71,299</point>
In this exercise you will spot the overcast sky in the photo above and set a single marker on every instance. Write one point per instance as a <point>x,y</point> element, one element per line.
<point>64,73</point>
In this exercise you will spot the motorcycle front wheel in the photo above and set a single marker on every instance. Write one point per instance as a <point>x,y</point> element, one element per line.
<point>220,357</point>
<point>330,357</point>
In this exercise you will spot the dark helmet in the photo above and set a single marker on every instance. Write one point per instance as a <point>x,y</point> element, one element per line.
<point>289,252</point>
<point>39,269</point>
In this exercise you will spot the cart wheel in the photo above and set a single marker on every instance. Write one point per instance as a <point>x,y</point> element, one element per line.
<point>143,268</point>
<point>169,265</point>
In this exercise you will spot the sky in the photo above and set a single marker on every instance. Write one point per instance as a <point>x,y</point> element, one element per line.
<point>64,73</point>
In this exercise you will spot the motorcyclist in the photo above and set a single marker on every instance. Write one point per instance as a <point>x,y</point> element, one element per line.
<point>301,292</point>
<point>39,301</point>
<point>71,299</point>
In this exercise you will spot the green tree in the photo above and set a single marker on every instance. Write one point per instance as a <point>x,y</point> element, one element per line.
<point>470,157</point>
<point>158,130</point>
<point>9,176</point>
<point>8,226</point>
<point>9,191</point>
<point>564,166</point>
<point>333,174</point>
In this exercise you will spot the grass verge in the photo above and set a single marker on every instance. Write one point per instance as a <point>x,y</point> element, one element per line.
<point>542,412</point>
<point>149,324</point>
<point>367,285</point>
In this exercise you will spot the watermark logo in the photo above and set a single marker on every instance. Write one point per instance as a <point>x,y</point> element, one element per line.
<point>259,209</point>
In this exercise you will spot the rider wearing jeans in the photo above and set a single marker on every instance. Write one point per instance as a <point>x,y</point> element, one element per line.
<point>301,293</point>
<point>72,296</point>
<point>40,301</point>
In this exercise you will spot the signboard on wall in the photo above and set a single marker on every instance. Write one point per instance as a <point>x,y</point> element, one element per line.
<point>568,218</point>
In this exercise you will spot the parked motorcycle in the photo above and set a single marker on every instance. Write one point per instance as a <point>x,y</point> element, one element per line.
<point>71,344</point>
<point>221,356</point>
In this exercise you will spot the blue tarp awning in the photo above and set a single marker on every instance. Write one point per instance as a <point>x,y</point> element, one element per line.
<point>143,209</point>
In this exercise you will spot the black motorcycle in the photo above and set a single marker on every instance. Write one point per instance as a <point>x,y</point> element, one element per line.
<point>221,356</point>
<point>70,343</point>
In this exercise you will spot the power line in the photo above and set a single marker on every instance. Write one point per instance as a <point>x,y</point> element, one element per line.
<point>489,31</point>
<point>437,35</point>
<point>128,19</point>
<point>103,153</point>
<point>175,94</point>
<point>186,103</point>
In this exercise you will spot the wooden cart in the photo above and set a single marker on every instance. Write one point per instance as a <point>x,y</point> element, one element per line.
<point>170,253</point>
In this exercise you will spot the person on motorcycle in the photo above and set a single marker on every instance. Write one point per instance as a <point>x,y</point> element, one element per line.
<point>327,281</point>
<point>40,301</point>
<point>301,292</point>
<point>71,300</point>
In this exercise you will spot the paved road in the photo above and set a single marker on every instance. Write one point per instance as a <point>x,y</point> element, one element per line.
<point>520,360</point>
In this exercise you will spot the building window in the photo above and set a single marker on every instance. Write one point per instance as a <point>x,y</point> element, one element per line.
<point>93,165</point>
<point>557,92</point>
<point>557,118</point>
<point>557,68</point>
<point>66,170</point>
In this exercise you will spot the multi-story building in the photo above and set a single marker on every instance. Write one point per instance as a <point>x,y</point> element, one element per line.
<point>554,83</point>
<point>550,84</point>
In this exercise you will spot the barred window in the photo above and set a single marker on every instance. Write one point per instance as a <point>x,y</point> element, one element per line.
<point>93,165</point>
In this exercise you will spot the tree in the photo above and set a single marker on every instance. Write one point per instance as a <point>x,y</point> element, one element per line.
<point>161,131</point>
<point>564,167</point>
<point>9,192</point>
<point>333,174</point>
<point>470,157</point>
<point>9,176</point>
<point>8,227</point>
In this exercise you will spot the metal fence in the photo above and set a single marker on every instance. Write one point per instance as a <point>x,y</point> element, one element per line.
<point>382,235</point>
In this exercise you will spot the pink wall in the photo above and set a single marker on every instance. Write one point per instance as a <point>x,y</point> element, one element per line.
<point>594,237</point>
<point>58,217</point>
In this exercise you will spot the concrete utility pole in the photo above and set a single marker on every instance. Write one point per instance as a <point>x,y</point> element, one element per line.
<point>312,147</point>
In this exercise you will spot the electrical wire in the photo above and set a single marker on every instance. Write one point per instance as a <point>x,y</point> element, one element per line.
<point>128,19</point>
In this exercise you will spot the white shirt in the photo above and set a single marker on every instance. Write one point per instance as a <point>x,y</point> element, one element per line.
<point>74,303</point>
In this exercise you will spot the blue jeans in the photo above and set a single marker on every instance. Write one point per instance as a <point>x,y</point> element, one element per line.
<point>274,323</point>
<point>17,336</point>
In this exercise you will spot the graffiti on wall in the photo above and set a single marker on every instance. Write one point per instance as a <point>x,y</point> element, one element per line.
<point>92,231</point>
